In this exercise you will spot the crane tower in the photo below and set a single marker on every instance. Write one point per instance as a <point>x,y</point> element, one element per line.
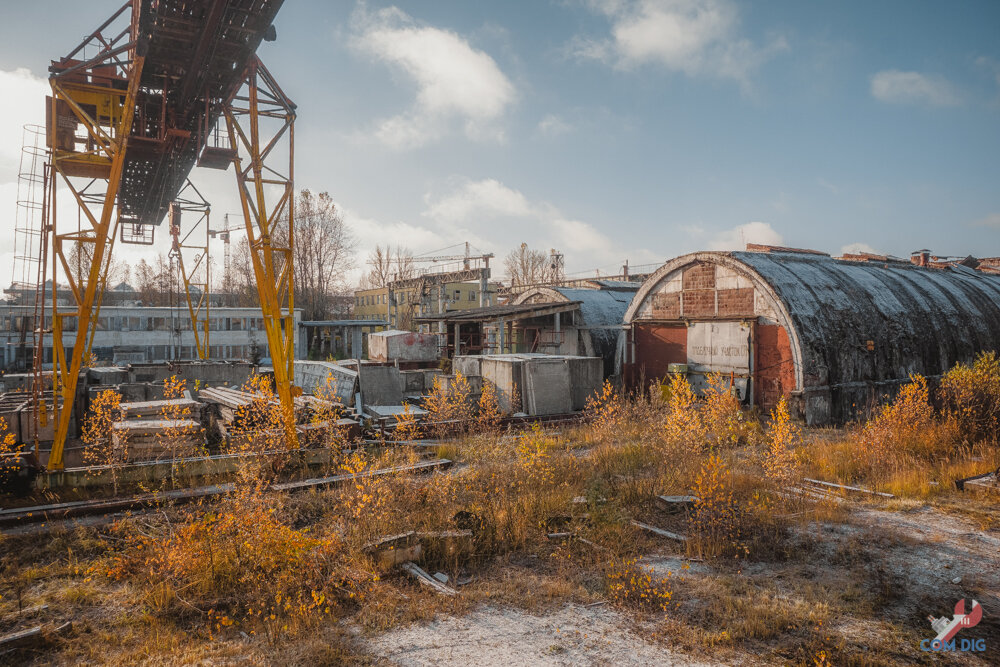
<point>160,86</point>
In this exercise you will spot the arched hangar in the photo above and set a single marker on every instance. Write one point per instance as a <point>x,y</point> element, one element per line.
<point>834,335</point>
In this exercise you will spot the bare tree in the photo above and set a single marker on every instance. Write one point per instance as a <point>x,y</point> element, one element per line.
<point>147,283</point>
<point>243,285</point>
<point>79,262</point>
<point>527,267</point>
<point>386,264</point>
<point>323,253</point>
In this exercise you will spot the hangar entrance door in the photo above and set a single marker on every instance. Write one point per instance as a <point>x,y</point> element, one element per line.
<point>719,347</point>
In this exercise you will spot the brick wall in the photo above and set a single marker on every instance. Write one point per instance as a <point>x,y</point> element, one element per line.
<point>667,306</point>
<point>699,297</point>
<point>699,276</point>
<point>699,303</point>
<point>736,302</point>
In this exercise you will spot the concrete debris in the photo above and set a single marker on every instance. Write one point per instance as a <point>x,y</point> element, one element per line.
<point>677,503</point>
<point>395,549</point>
<point>158,409</point>
<point>144,439</point>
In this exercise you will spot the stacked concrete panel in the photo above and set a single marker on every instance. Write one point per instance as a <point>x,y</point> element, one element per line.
<point>313,375</point>
<point>380,385</point>
<point>547,389</point>
<point>395,345</point>
<point>537,384</point>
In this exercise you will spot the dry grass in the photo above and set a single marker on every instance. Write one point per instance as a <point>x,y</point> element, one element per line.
<point>260,578</point>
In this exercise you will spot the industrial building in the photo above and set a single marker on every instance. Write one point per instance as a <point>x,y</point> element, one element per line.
<point>144,334</point>
<point>573,321</point>
<point>373,304</point>
<point>834,335</point>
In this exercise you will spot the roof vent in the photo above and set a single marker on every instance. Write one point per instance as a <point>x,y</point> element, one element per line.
<point>920,257</point>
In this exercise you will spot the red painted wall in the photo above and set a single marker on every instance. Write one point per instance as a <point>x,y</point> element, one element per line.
<point>773,369</point>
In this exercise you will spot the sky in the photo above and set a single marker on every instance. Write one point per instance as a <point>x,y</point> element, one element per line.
<point>611,129</point>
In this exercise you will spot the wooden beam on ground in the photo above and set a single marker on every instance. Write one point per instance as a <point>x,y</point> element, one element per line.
<point>659,531</point>
<point>427,580</point>
<point>848,488</point>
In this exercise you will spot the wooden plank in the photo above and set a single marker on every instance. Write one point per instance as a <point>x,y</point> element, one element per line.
<point>45,513</point>
<point>30,636</point>
<point>849,488</point>
<point>427,580</point>
<point>677,503</point>
<point>659,531</point>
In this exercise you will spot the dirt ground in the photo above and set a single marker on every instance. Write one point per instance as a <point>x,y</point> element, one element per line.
<point>904,562</point>
<point>490,637</point>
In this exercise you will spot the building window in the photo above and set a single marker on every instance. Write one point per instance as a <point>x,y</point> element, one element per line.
<point>472,295</point>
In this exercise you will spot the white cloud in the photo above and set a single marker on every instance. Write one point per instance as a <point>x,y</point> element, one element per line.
<point>738,237</point>
<point>896,87</point>
<point>858,248</point>
<point>990,64</point>
<point>553,126</point>
<point>695,37</point>
<point>495,216</point>
<point>455,82</point>
<point>991,220</point>
<point>485,198</point>
<point>24,94</point>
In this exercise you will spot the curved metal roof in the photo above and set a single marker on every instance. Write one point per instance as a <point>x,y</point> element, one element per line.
<point>919,319</point>
<point>602,311</point>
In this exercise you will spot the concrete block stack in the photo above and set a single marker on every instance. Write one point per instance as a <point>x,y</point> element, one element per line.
<point>536,384</point>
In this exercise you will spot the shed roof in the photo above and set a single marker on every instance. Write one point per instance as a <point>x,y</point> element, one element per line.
<point>508,311</point>
<point>600,307</point>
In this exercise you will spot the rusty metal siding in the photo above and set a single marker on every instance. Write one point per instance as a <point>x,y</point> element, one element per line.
<point>658,346</point>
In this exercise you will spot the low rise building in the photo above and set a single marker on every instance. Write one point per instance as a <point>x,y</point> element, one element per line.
<point>141,334</point>
<point>406,304</point>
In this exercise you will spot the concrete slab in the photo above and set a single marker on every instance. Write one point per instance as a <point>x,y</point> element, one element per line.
<point>505,372</point>
<point>469,365</point>
<point>586,374</point>
<point>380,385</point>
<point>412,382</point>
<point>547,387</point>
<point>312,375</point>
<point>393,411</point>
<point>107,375</point>
<point>395,345</point>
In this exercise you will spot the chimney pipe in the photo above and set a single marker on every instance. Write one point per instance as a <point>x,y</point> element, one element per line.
<point>920,257</point>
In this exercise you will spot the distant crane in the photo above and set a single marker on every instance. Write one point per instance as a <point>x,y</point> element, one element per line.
<point>466,259</point>
<point>223,234</point>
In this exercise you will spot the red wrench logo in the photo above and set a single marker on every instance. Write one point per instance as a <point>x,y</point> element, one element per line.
<point>961,621</point>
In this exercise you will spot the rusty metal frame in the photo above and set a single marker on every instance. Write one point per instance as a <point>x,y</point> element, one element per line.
<point>107,140</point>
<point>195,273</point>
<point>270,224</point>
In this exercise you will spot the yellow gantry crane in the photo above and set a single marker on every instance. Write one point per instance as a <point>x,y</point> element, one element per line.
<point>133,108</point>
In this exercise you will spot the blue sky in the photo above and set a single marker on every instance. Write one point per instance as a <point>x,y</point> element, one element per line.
<point>614,129</point>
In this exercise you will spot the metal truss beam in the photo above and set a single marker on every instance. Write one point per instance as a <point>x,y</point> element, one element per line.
<point>267,196</point>
<point>190,250</point>
<point>102,161</point>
